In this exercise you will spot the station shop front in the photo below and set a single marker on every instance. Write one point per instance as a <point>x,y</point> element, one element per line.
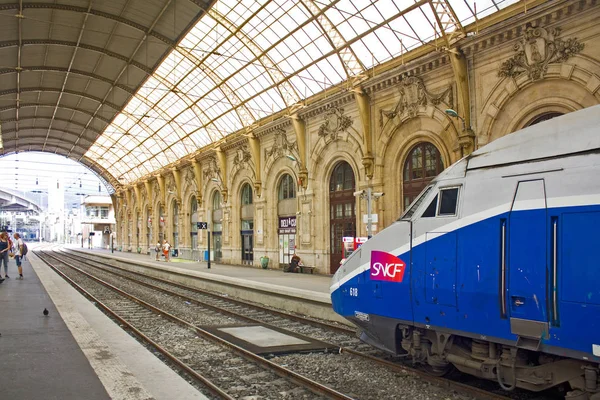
<point>287,239</point>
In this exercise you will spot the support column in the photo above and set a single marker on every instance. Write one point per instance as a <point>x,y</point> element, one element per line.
<point>255,149</point>
<point>466,139</point>
<point>300,130</point>
<point>222,158</point>
<point>148,187</point>
<point>161,186</point>
<point>177,178</point>
<point>198,178</point>
<point>364,111</point>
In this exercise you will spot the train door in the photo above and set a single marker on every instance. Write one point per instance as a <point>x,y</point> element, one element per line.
<point>527,264</point>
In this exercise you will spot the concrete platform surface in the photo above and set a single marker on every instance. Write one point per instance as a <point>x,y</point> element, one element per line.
<point>39,359</point>
<point>76,352</point>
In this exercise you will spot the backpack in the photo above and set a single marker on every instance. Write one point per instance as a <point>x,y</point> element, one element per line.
<point>24,249</point>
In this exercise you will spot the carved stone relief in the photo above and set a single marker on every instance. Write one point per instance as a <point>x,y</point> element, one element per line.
<point>335,122</point>
<point>156,191</point>
<point>413,94</point>
<point>242,160</point>
<point>282,146</point>
<point>535,50</point>
<point>213,170</point>
<point>190,179</point>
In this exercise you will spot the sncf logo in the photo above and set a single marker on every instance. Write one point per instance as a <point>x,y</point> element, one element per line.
<point>386,267</point>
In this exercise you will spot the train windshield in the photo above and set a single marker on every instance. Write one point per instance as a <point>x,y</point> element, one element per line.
<point>415,204</point>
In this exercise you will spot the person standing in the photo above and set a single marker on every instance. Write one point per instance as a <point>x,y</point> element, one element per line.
<point>19,253</point>
<point>166,248</point>
<point>158,250</point>
<point>5,248</point>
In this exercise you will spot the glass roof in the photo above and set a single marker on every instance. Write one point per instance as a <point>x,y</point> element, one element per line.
<point>246,60</point>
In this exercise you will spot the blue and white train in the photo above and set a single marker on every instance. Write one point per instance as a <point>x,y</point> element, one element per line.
<point>495,267</point>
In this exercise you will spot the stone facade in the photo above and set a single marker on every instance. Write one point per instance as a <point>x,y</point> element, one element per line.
<point>541,61</point>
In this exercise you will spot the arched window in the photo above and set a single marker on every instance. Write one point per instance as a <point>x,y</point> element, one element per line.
<point>423,163</point>
<point>342,211</point>
<point>246,195</point>
<point>216,201</point>
<point>342,178</point>
<point>544,117</point>
<point>287,188</point>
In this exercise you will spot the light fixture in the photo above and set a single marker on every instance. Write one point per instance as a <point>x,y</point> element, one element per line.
<point>214,180</point>
<point>452,113</point>
<point>291,157</point>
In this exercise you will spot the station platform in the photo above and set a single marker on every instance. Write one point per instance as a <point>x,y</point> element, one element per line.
<point>307,294</point>
<point>76,351</point>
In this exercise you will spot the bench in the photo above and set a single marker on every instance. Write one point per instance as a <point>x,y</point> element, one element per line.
<point>306,270</point>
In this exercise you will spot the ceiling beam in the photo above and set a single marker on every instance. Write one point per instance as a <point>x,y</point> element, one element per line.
<point>25,105</point>
<point>44,68</point>
<point>66,43</point>
<point>90,11</point>
<point>54,90</point>
<point>4,121</point>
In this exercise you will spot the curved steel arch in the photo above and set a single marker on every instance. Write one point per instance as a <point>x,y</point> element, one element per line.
<point>83,10</point>
<point>45,68</point>
<point>29,105</point>
<point>66,43</point>
<point>57,90</point>
<point>99,132</point>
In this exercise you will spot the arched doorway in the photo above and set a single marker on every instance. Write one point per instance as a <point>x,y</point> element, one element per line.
<point>175,226</point>
<point>342,214</point>
<point>217,226</point>
<point>423,163</point>
<point>247,224</point>
<point>194,228</point>
<point>286,210</point>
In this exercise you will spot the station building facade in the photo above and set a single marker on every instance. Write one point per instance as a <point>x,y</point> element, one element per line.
<point>289,184</point>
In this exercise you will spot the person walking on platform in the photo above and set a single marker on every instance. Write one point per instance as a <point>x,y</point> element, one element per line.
<point>19,253</point>
<point>158,250</point>
<point>5,248</point>
<point>166,249</point>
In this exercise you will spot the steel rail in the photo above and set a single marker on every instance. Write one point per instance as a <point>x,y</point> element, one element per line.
<point>284,314</point>
<point>211,386</point>
<point>301,380</point>
<point>439,381</point>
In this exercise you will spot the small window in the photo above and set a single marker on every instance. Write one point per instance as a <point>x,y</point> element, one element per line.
<point>409,213</point>
<point>430,210</point>
<point>448,201</point>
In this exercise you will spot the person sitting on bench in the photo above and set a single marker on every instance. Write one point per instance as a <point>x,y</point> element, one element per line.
<point>294,263</point>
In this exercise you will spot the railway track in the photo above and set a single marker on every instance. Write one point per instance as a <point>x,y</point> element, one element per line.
<point>215,364</point>
<point>339,336</point>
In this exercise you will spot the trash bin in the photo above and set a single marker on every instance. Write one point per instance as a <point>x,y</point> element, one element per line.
<point>175,253</point>
<point>264,262</point>
<point>205,255</point>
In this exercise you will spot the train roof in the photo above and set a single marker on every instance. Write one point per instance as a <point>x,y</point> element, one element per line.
<point>575,132</point>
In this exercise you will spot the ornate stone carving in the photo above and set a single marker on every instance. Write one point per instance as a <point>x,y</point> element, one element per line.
<point>190,179</point>
<point>535,50</point>
<point>242,159</point>
<point>414,94</point>
<point>213,170</point>
<point>156,191</point>
<point>335,122</point>
<point>282,146</point>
